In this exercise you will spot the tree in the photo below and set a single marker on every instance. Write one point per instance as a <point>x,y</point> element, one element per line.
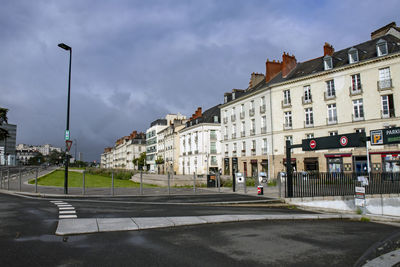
<point>37,159</point>
<point>159,160</point>
<point>140,161</point>
<point>56,157</point>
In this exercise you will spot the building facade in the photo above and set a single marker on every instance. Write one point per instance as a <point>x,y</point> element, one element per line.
<point>8,153</point>
<point>200,143</point>
<point>246,129</point>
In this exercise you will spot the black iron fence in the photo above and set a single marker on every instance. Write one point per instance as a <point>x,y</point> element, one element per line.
<point>310,184</point>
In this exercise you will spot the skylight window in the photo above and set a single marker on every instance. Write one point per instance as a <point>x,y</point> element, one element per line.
<point>328,63</point>
<point>353,55</point>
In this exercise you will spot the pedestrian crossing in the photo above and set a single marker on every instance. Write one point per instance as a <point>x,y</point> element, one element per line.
<point>65,210</point>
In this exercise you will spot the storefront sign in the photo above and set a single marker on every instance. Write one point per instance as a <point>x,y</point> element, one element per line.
<point>385,136</point>
<point>360,196</point>
<point>336,141</point>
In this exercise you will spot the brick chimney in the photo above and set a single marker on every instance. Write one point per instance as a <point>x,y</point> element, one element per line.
<point>328,49</point>
<point>288,64</point>
<point>272,69</point>
<point>196,114</point>
<point>255,79</point>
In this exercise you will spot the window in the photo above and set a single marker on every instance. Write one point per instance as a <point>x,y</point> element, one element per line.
<point>213,148</point>
<point>253,144</point>
<point>387,106</point>
<point>355,83</point>
<point>290,138</point>
<point>309,117</point>
<point>262,105</point>
<point>243,146</point>
<point>353,55</point>
<point>381,48</point>
<point>233,116</point>
<point>358,109</point>
<point>328,63</point>
<point>213,135</point>
<point>226,133</point>
<point>242,111</point>
<point>360,130</point>
<point>330,89</point>
<point>225,99</point>
<point>332,115</point>
<point>286,97</point>
<point>288,119</point>
<point>385,81</point>
<point>252,110</point>
<point>333,133</point>
<point>233,96</point>
<point>234,131</point>
<point>253,127</point>
<point>264,146</point>
<point>225,116</point>
<point>243,129</point>
<point>263,124</point>
<point>234,147</point>
<point>216,119</point>
<point>309,136</point>
<point>214,160</point>
<point>307,94</point>
<point>226,149</point>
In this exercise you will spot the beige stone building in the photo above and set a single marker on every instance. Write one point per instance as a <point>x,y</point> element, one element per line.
<point>352,90</point>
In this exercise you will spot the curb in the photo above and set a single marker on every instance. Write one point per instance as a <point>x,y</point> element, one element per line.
<point>100,225</point>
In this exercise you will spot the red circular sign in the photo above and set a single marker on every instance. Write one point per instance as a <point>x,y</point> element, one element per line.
<point>343,141</point>
<point>313,144</point>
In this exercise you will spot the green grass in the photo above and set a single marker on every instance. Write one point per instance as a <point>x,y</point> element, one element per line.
<point>56,178</point>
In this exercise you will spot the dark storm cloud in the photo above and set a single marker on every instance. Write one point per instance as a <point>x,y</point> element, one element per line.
<point>135,61</point>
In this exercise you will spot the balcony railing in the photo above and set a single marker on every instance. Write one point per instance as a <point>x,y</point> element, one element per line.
<point>262,109</point>
<point>233,117</point>
<point>252,131</point>
<point>263,130</point>
<point>213,137</point>
<point>184,153</point>
<point>190,153</point>
<point>253,151</point>
<point>251,112</point>
<point>388,114</point>
<point>264,150</point>
<point>243,152</point>
<point>242,114</point>
<point>226,153</point>
<point>213,151</point>
<point>329,96</point>
<point>330,121</point>
<point>286,104</point>
<point>225,120</point>
<point>357,118</point>
<point>233,135</point>
<point>242,134</point>
<point>196,152</point>
<point>385,84</point>
<point>234,153</point>
<point>308,124</point>
<point>287,126</point>
<point>355,91</point>
<point>225,137</point>
<point>306,101</point>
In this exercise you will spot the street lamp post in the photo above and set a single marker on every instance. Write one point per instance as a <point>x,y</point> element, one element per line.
<point>68,48</point>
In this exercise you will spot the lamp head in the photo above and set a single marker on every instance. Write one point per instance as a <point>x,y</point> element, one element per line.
<point>64,46</point>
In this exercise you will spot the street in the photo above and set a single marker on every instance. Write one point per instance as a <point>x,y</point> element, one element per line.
<point>27,228</point>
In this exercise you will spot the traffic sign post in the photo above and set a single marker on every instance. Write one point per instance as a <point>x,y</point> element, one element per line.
<point>67,135</point>
<point>68,145</point>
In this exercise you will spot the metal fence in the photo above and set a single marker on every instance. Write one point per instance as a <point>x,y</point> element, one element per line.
<point>309,184</point>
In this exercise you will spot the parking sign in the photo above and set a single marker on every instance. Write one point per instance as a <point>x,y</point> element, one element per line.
<point>376,137</point>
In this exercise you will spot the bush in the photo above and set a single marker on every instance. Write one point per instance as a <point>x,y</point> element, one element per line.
<point>118,174</point>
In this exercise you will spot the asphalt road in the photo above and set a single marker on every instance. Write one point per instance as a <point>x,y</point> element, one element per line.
<point>27,238</point>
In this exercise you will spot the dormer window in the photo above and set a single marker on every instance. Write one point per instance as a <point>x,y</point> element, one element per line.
<point>353,55</point>
<point>328,63</point>
<point>225,99</point>
<point>381,48</point>
<point>233,95</point>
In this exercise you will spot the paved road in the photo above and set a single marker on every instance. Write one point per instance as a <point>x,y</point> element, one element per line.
<point>27,238</point>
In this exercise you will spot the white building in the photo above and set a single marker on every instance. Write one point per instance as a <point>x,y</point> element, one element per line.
<point>152,137</point>
<point>200,143</point>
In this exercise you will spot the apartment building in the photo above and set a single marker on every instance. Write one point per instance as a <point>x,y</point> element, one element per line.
<point>168,146</point>
<point>355,89</point>
<point>200,143</point>
<point>246,128</point>
<point>121,155</point>
<point>7,145</point>
<point>152,137</point>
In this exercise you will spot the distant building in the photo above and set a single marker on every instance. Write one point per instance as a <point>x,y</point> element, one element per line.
<point>200,143</point>
<point>7,146</point>
<point>25,152</point>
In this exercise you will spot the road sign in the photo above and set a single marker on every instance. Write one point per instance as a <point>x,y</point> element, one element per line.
<point>360,196</point>
<point>336,141</point>
<point>344,141</point>
<point>313,144</point>
<point>67,135</point>
<point>68,145</point>
<point>385,136</point>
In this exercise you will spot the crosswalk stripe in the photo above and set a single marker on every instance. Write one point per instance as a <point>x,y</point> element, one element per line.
<point>64,205</point>
<point>67,212</point>
<point>67,216</point>
<point>66,208</point>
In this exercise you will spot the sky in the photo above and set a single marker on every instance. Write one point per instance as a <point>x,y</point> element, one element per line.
<point>135,61</point>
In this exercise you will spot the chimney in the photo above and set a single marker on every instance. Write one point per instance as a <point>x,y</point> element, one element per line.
<point>196,114</point>
<point>272,69</point>
<point>255,79</point>
<point>288,64</point>
<point>328,49</point>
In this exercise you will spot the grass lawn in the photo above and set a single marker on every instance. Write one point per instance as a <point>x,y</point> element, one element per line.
<point>56,178</point>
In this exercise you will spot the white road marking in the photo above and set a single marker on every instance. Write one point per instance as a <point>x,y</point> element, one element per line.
<point>67,216</point>
<point>66,208</point>
<point>64,205</point>
<point>67,212</point>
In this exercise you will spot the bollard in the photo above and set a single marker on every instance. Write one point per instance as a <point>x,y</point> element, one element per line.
<point>36,177</point>
<point>20,179</point>
<point>219,182</point>
<point>244,184</point>
<point>194,182</point>
<point>141,183</point>
<point>112,183</point>
<point>83,186</point>
<point>8,179</point>
<point>169,186</point>
<point>1,178</point>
